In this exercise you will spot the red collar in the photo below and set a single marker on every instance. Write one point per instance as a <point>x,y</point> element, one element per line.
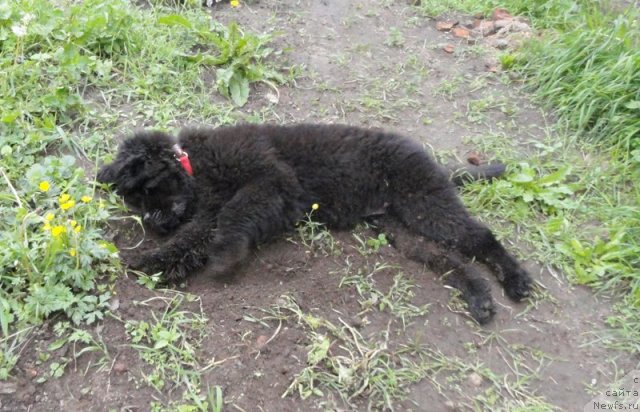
<point>183,158</point>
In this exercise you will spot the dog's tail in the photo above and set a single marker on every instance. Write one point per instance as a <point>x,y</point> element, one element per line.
<point>460,175</point>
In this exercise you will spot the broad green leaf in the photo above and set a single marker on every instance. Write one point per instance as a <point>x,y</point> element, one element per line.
<point>554,177</point>
<point>160,344</point>
<point>175,20</point>
<point>319,350</point>
<point>58,344</point>
<point>634,104</point>
<point>522,177</point>
<point>239,89</point>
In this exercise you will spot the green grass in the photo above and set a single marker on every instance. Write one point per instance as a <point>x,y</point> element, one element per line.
<point>72,75</point>
<point>573,210</point>
<point>555,13</point>
<point>575,202</point>
<point>584,67</point>
<point>342,361</point>
<point>590,74</point>
<point>397,300</point>
<point>347,367</point>
<point>451,374</point>
<point>167,344</point>
<point>315,236</point>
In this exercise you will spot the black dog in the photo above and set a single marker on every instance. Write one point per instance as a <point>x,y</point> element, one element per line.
<point>251,183</point>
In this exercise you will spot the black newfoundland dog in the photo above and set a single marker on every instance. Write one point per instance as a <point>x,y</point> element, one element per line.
<point>240,186</point>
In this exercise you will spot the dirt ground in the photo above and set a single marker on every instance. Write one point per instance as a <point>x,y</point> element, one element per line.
<point>371,63</point>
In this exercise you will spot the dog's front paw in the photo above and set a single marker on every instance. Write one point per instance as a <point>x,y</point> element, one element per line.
<point>518,285</point>
<point>175,272</point>
<point>133,259</point>
<point>152,262</point>
<point>477,294</point>
<point>482,308</point>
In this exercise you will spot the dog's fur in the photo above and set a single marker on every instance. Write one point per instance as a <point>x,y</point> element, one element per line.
<point>252,183</point>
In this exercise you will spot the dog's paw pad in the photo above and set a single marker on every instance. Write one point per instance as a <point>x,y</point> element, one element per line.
<point>519,287</point>
<point>482,309</point>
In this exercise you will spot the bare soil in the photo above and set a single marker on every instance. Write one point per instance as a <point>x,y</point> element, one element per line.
<point>358,70</point>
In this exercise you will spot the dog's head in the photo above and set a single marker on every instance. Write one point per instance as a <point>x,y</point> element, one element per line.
<point>148,176</point>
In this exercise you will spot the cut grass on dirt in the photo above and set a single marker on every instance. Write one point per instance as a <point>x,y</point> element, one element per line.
<point>376,371</point>
<point>167,344</point>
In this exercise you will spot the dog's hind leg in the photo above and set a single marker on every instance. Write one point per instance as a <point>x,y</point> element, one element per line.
<point>441,217</point>
<point>455,272</point>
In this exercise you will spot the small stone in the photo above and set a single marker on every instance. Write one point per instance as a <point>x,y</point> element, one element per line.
<point>500,14</point>
<point>114,304</point>
<point>500,44</point>
<point>474,159</point>
<point>449,48</point>
<point>272,98</point>
<point>261,341</point>
<point>486,27</point>
<point>518,27</point>
<point>451,406</point>
<point>475,36</point>
<point>502,23</point>
<point>446,25</point>
<point>475,379</point>
<point>468,24</point>
<point>461,32</point>
<point>120,367</point>
<point>7,388</point>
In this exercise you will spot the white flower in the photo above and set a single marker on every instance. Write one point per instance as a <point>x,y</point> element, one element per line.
<point>19,31</point>
<point>26,19</point>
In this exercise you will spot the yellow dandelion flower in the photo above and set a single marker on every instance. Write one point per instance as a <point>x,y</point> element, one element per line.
<point>67,205</point>
<point>86,199</point>
<point>235,3</point>
<point>46,227</point>
<point>49,217</point>
<point>72,223</point>
<point>315,206</point>
<point>58,230</point>
<point>44,186</point>
<point>64,198</point>
<point>77,229</point>
<point>72,252</point>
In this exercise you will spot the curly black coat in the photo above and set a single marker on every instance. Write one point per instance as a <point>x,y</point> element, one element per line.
<point>253,182</point>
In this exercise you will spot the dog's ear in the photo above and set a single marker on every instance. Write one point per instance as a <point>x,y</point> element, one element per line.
<point>108,173</point>
<point>139,159</point>
<point>123,167</point>
<point>125,172</point>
